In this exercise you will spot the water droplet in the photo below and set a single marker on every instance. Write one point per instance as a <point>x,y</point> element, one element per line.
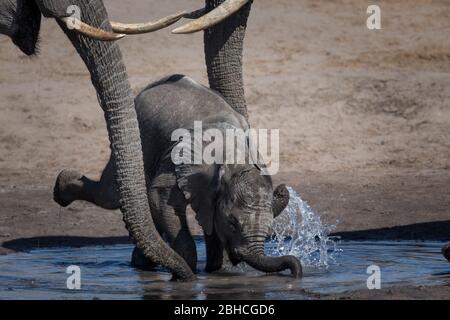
<point>299,231</point>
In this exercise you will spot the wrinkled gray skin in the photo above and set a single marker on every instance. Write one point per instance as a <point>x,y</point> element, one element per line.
<point>20,20</point>
<point>224,44</point>
<point>234,204</point>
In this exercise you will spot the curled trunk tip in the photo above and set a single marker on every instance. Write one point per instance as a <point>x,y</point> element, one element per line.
<point>293,264</point>
<point>268,264</point>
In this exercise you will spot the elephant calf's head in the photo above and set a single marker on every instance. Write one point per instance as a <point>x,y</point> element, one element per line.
<point>245,208</point>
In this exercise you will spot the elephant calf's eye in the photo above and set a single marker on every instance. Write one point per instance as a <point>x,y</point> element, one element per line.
<point>234,223</point>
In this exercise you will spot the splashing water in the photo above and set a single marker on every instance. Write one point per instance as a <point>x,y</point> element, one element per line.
<point>298,231</point>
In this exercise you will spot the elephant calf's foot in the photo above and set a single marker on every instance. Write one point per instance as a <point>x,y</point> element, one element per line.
<point>214,260</point>
<point>67,187</point>
<point>213,267</point>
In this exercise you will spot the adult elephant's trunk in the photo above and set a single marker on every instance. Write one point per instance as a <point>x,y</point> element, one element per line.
<point>109,77</point>
<point>255,257</point>
<point>223,53</point>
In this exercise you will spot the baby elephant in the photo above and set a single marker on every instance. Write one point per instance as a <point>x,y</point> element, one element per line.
<point>234,203</point>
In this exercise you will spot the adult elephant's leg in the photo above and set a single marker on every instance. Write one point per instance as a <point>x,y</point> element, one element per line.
<point>72,185</point>
<point>224,45</point>
<point>108,74</point>
<point>169,213</point>
<point>214,253</point>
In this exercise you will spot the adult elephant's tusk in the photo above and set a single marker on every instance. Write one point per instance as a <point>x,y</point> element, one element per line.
<point>90,31</point>
<point>146,27</point>
<point>212,18</point>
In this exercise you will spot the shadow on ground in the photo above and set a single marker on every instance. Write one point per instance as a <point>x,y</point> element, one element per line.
<point>434,231</point>
<point>24,244</point>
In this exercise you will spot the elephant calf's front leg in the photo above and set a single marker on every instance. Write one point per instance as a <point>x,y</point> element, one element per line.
<point>168,206</point>
<point>214,253</point>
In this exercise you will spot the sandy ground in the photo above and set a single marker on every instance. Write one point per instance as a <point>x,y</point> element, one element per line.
<point>364,117</point>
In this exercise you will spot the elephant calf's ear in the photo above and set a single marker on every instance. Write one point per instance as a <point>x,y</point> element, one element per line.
<point>280,200</point>
<point>199,185</point>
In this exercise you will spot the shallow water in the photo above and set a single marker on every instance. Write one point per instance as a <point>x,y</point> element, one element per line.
<point>106,274</point>
<point>329,266</point>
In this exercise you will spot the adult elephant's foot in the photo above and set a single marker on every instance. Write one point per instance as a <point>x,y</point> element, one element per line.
<point>446,251</point>
<point>139,261</point>
<point>67,187</point>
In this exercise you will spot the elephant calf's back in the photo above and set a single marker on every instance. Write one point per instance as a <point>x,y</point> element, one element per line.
<point>176,102</point>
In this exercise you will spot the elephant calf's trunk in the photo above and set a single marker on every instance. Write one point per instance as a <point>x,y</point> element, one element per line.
<point>264,263</point>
